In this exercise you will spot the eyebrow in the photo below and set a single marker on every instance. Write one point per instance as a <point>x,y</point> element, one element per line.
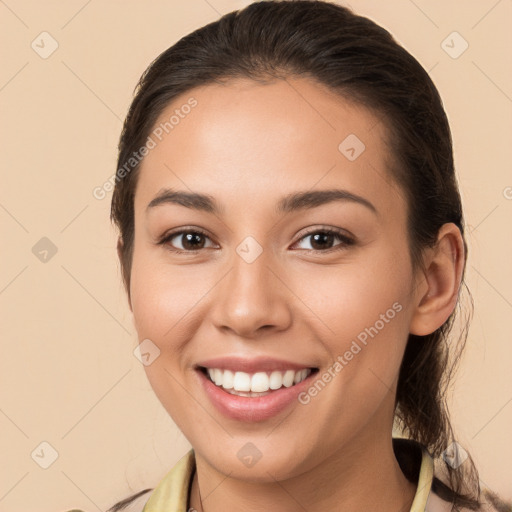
<point>296,201</point>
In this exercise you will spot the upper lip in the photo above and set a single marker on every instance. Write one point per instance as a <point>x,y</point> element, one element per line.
<point>253,365</point>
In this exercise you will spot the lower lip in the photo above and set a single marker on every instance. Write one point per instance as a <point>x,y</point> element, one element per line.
<point>254,409</point>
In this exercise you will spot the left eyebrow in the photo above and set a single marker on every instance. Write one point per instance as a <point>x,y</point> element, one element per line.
<point>312,199</point>
<point>292,202</point>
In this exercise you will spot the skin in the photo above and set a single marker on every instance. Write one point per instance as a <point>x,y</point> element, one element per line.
<point>248,144</point>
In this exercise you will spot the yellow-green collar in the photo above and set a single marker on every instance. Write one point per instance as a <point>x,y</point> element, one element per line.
<point>171,494</point>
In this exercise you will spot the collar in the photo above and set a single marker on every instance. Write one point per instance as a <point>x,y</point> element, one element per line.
<point>172,492</point>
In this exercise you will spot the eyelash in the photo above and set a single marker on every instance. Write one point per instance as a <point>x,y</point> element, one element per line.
<point>345,240</point>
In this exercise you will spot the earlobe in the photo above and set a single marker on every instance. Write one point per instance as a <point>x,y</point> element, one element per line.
<point>123,271</point>
<point>443,274</point>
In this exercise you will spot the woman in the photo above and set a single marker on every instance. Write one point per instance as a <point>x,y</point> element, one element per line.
<point>292,246</point>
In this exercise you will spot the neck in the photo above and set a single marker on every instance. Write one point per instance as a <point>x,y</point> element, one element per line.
<point>363,475</point>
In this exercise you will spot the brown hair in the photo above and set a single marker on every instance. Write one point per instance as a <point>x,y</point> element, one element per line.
<point>362,62</point>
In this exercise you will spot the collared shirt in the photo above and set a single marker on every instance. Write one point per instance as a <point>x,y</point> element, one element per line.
<point>172,492</point>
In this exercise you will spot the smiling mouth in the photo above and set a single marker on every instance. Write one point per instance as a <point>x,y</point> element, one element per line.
<point>255,384</point>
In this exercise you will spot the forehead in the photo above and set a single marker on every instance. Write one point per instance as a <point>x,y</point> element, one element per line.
<point>246,139</point>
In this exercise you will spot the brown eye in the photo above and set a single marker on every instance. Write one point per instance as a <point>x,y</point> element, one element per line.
<point>323,240</point>
<point>186,241</point>
<point>192,241</point>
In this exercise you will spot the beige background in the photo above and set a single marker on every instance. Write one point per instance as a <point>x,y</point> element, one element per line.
<point>68,373</point>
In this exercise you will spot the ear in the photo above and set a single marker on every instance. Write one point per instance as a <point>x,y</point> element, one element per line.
<point>126,281</point>
<point>437,297</point>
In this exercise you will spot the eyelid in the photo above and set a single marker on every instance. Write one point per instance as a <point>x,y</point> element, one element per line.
<point>325,229</point>
<point>168,235</point>
<point>346,238</point>
<point>342,235</point>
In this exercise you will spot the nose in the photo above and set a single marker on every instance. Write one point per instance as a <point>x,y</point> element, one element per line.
<point>252,299</point>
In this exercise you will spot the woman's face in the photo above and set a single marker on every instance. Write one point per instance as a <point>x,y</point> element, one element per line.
<point>260,291</point>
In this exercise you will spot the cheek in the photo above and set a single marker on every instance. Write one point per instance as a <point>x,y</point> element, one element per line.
<point>163,297</point>
<point>351,297</point>
<point>365,314</point>
<point>362,312</point>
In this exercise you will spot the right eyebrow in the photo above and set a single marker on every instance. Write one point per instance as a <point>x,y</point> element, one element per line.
<point>192,200</point>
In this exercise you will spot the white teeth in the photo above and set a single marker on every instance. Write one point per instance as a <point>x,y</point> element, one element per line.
<point>288,378</point>
<point>218,377</point>
<point>258,383</point>
<point>276,380</point>
<point>227,379</point>
<point>300,376</point>
<point>241,382</point>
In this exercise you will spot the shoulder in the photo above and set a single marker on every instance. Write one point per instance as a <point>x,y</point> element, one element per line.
<point>490,502</point>
<point>170,493</point>
<point>134,503</point>
<point>493,503</point>
<point>433,491</point>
